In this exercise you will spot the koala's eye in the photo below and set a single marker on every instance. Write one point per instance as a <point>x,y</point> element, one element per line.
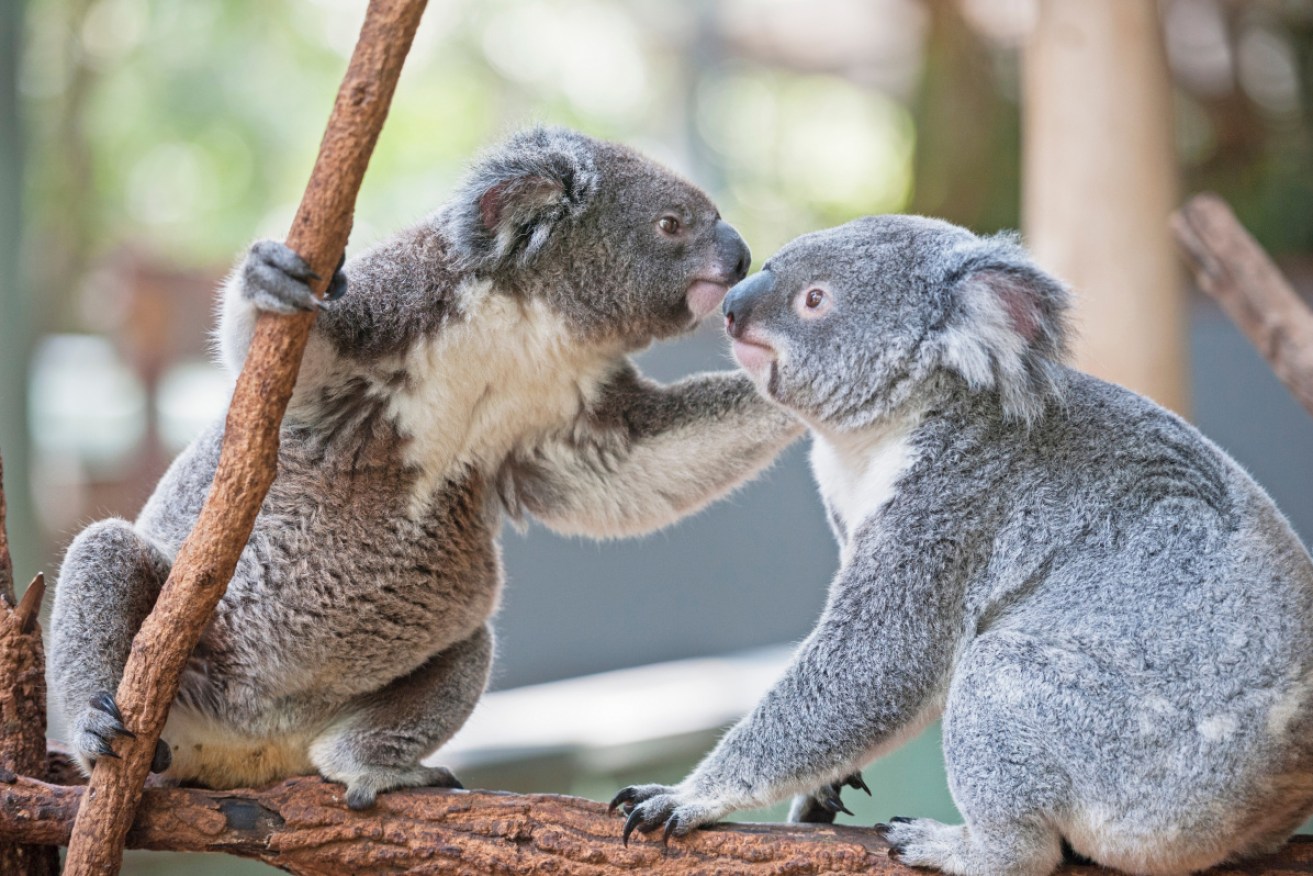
<point>669,224</point>
<point>814,303</point>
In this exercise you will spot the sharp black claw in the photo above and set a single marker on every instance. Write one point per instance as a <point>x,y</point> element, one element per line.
<point>102,701</point>
<point>881,830</point>
<point>900,819</point>
<point>631,823</point>
<point>671,824</point>
<point>831,801</point>
<point>856,781</point>
<point>163,757</point>
<point>626,795</point>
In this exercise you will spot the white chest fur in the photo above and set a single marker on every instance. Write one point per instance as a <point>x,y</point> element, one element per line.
<point>857,471</point>
<point>506,375</point>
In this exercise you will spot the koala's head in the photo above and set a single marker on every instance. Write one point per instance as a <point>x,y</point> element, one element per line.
<point>846,325</point>
<point>621,247</point>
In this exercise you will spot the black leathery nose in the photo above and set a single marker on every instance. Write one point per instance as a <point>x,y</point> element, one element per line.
<point>734,254</point>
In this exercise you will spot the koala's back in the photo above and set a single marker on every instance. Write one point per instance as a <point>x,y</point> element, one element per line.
<point>338,590</point>
<point>1148,612</point>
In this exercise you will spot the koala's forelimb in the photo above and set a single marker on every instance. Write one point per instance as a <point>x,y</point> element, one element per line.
<point>834,708</point>
<point>676,448</point>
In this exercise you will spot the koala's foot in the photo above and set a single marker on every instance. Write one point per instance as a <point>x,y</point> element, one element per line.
<point>823,804</point>
<point>276,279</point>
<point>651,806</point>
<point>923,842</point>
<point>100,723</point>
<point>363,790</point>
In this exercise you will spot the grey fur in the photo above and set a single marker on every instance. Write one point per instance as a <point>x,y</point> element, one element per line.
<point>474,367</point>
<point>1113,619</point>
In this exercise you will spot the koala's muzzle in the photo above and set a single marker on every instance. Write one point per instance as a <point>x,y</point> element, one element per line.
<point>732,251</point>
<point>741,300</point>
<point>729,264</point>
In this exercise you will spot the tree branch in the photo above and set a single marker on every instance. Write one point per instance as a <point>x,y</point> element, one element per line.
<point>22,699</point>
<point>303,826</point>
<point>248,460</point>
<point>1231,267</point>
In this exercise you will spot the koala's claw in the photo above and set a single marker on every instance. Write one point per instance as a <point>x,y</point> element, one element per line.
<point>102,701</point>
<point>363,792</point>
<point>163,757</point>
<point>921,842</point>
<point>829,798</point>
<point>653,806</point>
<point>856,781</point>
<point>276,279</point>
<point>337,285</point>
<point>97,727</point>
<point>101,724</point>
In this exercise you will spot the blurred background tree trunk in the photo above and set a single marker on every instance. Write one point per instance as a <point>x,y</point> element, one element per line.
<point>1099,181</point>
<point>16,331</point>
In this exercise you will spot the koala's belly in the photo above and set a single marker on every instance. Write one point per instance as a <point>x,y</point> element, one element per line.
<point>331,600</point>
<point>216,755</point>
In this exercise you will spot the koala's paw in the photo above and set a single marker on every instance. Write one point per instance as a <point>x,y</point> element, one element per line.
<point>100,723</point>
<point>651,806</point>
<point>923,842</point>
<point>823,804</point>
<point>276,279</point>
<point>363,790</point>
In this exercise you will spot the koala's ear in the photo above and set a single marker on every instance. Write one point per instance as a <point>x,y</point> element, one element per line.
<point>1007,326</point>
<point>516,196</point>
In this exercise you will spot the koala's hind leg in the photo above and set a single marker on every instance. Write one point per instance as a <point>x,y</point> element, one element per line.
<point>109,581</point>
<point>380,741</point>
<point>1004,781</point>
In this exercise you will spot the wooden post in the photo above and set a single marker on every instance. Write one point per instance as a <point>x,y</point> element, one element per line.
<point>248,460</point>
<point>1098,183</point>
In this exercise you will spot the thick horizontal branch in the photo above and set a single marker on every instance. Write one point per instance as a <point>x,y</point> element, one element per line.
<point>1232,268</point>
<point>303,826</point>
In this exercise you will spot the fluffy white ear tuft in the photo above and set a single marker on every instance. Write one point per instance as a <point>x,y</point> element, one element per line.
<point>517,195</point>
<point>1007,328</point>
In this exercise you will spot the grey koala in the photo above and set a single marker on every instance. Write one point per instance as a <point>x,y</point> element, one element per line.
<point>1112,618</point>
<point>479,368</point>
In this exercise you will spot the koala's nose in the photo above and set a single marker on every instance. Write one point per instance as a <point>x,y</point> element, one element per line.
<point>741,300</point>
<point>733,252</point>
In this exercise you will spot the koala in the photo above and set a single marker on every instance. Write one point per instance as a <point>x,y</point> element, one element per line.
<point>478,370</point>
<point>1113,620</point>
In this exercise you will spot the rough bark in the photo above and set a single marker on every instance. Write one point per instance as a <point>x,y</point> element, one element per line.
<point>248,460</point>
<point>1231,267</point>
<point>303,826</point>
<point>22,699</point>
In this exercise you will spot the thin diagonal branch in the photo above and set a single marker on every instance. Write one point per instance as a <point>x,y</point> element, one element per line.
<point>1232,268</point>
